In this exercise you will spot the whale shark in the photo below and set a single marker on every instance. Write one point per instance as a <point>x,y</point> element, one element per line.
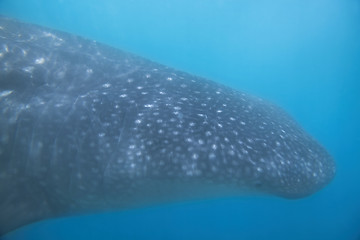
<point>85,127</point>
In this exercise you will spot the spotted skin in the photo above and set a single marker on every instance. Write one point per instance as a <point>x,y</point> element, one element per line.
<point>85,127</point>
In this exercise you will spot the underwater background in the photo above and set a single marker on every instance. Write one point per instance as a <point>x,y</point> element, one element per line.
<point>303,55</point>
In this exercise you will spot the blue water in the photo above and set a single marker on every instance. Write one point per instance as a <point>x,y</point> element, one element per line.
<point>303,55</point>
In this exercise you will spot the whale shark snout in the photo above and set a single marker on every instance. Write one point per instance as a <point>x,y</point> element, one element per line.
<point>304,179</point>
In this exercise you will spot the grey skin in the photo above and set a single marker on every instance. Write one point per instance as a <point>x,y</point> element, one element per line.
<point>85,127</point>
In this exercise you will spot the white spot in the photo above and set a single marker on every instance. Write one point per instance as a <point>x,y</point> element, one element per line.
<point>214,146</point>
<point>169,79</point>
<point>201,142</point>
<point>220,125</point>
<point>147,75</point>
<point>101,134</point>
<point>232,119</point>
<point>195,156</point>
<point>90,71</point>
<point>278,144</point>
<point>161,131</point>
<point>242,123</point>
<point>106,85</point>
<point>231,152</point>
<point>219,111</point>
<point>24,52</point>
<point>250,140</point>
<point>259,169</point>
<point>139,87</point>
<point>132,146</point>
<point>5,93</point>
<point>123,95</point>
<point>39,60</point>
<point>137,121</point>
<point>149,105</point>
<point>208,133</point>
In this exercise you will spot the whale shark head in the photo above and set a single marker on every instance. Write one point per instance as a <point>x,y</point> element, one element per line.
<point>85,127</point>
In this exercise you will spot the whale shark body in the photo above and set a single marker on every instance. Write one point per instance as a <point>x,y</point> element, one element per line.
<point>85,127</point>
